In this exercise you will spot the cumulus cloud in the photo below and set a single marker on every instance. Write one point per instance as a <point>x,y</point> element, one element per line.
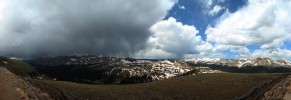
<point>210,7</point>
<point>216,9</point>
<point>206,5</point>
<point>33,28</point>
<point>208,2</point>
<point>221,1</point>
<point>261,22</point>
<point>208,50</point>
<point>275,54</point>
<point>173,39</point>
<point>182,7</point>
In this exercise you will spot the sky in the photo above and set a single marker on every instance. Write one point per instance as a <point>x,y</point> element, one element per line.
<point>146,29</point>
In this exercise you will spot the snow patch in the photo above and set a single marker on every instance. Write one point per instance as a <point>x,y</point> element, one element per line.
<point>72,59</point>
<point>269,61</point>
<point>167,69</point>
<point>5,62</point>
<point>241,63</point>
<point>125,61</point>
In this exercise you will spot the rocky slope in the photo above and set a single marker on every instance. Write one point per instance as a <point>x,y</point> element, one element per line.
<point>275,89</point>
<point>14,87</point>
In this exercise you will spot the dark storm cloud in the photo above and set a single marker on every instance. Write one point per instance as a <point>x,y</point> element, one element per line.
<point>34,28</point>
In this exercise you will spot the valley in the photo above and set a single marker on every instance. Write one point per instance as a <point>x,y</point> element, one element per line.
<point>110,78</point>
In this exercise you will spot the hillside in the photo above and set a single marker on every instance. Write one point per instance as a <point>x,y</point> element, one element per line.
<point>15,86</point>
<point>225,86</point>
<point>18,67</point>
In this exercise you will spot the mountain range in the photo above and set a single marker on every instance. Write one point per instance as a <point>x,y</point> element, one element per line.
<point>97,69</point>
<point>104,69</point>
<point>267,62</point>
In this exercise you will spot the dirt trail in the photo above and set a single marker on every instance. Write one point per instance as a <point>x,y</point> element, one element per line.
<point>8,86</point>
<point>13,87</point>
<point>288,92</point>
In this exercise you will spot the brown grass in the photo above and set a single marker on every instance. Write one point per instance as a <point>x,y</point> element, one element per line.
<point>225,86</point>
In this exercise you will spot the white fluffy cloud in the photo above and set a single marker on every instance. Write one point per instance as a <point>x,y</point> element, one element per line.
<point>221,1</point>
<point>217,51</point>
<point>206,5</point>
<point>210,8</point>
<point>208,50</point>
<point>275,54</point>
<point>182,7</point>
<point>216,9</point>
<point>208,2</point>
<point>262,22</point>
<point>173,39</point>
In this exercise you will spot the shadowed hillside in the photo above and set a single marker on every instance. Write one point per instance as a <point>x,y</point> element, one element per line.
<point>18,67</point>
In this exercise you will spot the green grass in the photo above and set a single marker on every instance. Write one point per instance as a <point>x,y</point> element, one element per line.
<point>18,67</point>
<point>224,86</point>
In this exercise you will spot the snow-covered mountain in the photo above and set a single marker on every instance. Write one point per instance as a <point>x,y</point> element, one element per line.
<point>258,65</point>
<point>267,62</point>
<point>110,69</point>
<point>167,69</point>
<point>104,69</point>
